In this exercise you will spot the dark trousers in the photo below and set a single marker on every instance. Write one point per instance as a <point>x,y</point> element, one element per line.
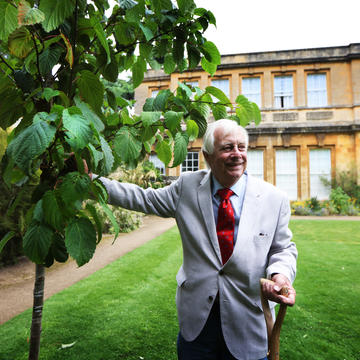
<point>209,345</point>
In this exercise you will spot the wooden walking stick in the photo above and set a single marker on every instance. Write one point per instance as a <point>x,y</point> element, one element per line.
<point>273,330</point>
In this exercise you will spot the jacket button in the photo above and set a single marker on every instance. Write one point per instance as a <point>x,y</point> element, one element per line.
<point>221,272</point>
<point>210,298</point>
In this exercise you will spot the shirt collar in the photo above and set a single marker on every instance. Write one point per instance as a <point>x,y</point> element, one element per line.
<point>237,188</point>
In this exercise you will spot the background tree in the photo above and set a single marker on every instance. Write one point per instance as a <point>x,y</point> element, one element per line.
<point>60,61</point>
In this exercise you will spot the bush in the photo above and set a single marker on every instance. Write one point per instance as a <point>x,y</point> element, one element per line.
<point>127,220</point>
<point>347,181</point>
<point>340,200</point>
<point>144,175</point>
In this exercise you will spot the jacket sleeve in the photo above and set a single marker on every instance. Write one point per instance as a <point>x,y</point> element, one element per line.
<point>161,202</point>
<point>283,252</point>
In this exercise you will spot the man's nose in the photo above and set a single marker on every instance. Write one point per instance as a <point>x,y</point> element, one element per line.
<point>236,151</point>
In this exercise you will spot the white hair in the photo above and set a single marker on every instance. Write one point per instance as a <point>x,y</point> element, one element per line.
<point>228,126</point>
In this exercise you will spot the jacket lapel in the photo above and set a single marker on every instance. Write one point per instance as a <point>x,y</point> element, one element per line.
<point>248,214</point>
<point>206,207</point>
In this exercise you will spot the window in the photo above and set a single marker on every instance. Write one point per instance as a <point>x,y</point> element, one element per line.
<point>157,163</point>
<point>286,172</point>
<point>223,85</point>
<point>283,92</point>
<point>255,163</point>
<point>191,163</point>
<point>154,93</point>
<point>251,88</point>
<point>316,90</point>
<point>320,167</point>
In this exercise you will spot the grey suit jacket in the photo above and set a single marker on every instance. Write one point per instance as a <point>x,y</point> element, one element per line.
<point>263,247</point>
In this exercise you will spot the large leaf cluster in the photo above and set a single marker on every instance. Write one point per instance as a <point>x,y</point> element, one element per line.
<point>59,66</point>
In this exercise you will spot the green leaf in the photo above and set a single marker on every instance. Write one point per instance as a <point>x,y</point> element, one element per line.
<point>55,12</point>
<point>38,214</point>
<point>98,222</point>
<point>178,50</point>
<point>194,56</point>
<point>180,148</point>
<point>219,111</point>
<point>212,90</point>
<point>49,93</point>
<point>31,143</point>
<point>126,4</point>
<point>58,248</point>
<point>80,240</point>
<point>52,211</point>
<point>163,151</point>
<point>74,187</point>
<point>138,70</point>
<point>8,236</point>
<point>172,120</point>
<point>89,114</point>
<point>256,113</point>
<point>160,5</point>
<point>96,155</point>
<point>147,32</point>
<point>112,218</point>
<point>91,89</point>
<point>242,115</point>
<point>124,34</point>
<point>108,155</point>
<point>20,42</point>
<point>98,189</point>
<point>200,120</point>
<point>169,64</point>
<point>192,129</point>
<point>28,15</point>
<point>79,132</point>
<point>208,66</point>
<point>161,100</point>
<point>49,58</point>
<point>101,35</point>
<point>126,144</point>
<point>244,110</point>
<point>187,90</point>
<point>37,242</point>
<point>148,118</point>
<point>8,19</point>
<point>186,6</point>
<point>11,102</point>
<point>211,53</point>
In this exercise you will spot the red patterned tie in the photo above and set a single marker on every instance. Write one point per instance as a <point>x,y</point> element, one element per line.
<point>225,224</point>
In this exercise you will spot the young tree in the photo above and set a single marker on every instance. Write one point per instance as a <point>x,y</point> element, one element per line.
<point>59,61</point>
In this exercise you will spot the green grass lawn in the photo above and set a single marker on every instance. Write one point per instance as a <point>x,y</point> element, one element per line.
<point>127,310</point>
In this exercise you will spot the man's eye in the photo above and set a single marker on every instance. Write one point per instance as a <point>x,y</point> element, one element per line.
<point>228,148</point>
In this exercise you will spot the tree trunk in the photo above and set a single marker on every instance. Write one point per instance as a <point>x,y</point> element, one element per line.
<point>37,312</point>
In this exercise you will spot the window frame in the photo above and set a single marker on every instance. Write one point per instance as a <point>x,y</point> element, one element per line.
<point>298,170</point>
<point>263,151</point>
<point>192,151</point>
<point>261,92</point>
<point>332,165</point>
<point>327,88</point>
<point>291,74</point>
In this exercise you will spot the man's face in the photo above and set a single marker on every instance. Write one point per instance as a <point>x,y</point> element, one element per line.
<point>229,159</point>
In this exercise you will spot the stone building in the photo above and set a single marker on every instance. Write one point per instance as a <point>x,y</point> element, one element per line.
<point>310,106</point>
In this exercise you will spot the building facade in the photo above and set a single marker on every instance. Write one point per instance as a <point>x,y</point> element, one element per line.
<point>310,107</point>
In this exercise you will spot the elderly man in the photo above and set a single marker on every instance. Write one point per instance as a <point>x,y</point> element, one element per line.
<point>234,230</point>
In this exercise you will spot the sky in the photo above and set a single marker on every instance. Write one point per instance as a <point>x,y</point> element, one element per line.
<point>266,25</point>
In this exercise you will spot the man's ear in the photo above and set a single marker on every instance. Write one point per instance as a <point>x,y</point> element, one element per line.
<point>207,158</point>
